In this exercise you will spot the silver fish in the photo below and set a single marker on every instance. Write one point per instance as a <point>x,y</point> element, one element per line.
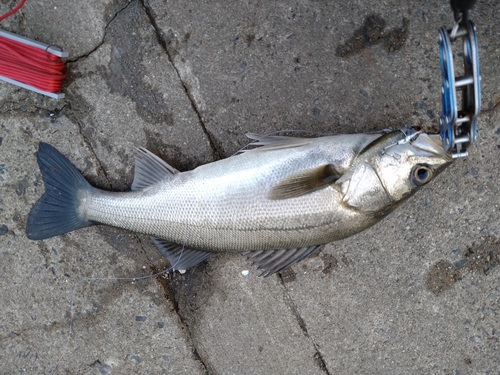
<point>277,202</point>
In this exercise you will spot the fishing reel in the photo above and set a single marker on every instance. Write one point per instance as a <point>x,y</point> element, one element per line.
<point>461,91</point>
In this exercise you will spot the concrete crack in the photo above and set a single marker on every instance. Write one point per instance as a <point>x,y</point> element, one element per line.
<point>10,335</point>
<point>318,357</point>
<point>94,155</point>
<point>218,153</point>
<point>492,107</point>
<point>170,296</point>
<point>85,55</point>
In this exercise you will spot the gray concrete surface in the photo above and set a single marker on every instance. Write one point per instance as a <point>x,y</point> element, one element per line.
<point>419,293</point>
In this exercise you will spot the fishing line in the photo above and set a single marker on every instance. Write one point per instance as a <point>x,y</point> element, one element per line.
<point>30,64</point>
<point>72,304</point>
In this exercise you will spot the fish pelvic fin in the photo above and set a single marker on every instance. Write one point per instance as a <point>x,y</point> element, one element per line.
<point>150,169</point>
<point>56,212</point>
<point>305,182</point>
<point>180,257</point>
<point>272,261</point>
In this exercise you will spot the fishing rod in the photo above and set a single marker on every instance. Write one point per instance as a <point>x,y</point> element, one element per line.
<point>461,95</point>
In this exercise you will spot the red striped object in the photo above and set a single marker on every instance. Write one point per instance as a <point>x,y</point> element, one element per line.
<point>30,64</point>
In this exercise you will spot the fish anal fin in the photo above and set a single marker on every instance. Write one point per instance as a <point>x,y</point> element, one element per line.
<point>180,256</point>
<point>272,261</point>
<point>305,182</point>
<point>150,169</point>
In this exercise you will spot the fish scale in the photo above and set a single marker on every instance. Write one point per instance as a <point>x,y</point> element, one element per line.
<point>227,209</point>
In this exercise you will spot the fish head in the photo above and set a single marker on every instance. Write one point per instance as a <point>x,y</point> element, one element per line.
<point>390,170</point>
<point>405,167</point>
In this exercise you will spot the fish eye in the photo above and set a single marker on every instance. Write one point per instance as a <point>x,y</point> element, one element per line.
<point>421,174</point>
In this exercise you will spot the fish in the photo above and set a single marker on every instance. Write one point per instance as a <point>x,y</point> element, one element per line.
<point>276,203</point>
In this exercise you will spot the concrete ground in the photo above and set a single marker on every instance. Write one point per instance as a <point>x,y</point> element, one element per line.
<point>419,293</point>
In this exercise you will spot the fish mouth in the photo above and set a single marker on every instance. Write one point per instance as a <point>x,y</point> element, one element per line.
<point>431,145</point>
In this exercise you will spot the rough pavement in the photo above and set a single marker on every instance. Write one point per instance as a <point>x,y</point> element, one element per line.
<point>417,293</point>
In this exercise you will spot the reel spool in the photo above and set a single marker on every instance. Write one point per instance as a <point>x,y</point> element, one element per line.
<point>458,120</point>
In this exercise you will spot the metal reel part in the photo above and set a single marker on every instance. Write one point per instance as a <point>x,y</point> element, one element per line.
<point>458,119</point>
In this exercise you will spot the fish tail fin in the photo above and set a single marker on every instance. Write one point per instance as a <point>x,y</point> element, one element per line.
<point>57,211</point>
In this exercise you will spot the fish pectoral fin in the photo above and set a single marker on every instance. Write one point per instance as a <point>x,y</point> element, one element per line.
<point>272,261</point>
<point>179,256</point>
<point>305,182</point>
<point>149,169</point>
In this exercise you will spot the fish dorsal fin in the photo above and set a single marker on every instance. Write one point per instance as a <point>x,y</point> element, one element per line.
<point>273,142</point>
<point>179,256</point>
<point>305,182</point>
<point>272,261</point>
<point>149,169</point>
